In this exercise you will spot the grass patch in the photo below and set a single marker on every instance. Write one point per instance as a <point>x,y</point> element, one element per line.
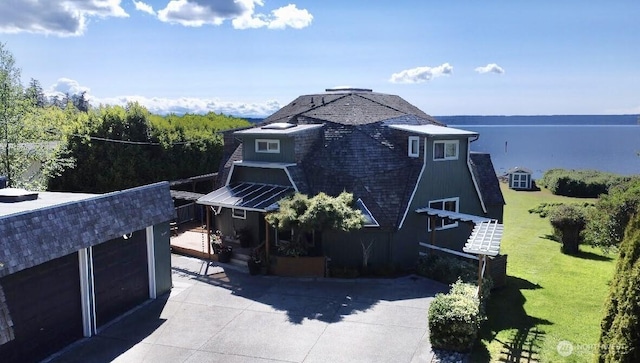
<point>549,297</point>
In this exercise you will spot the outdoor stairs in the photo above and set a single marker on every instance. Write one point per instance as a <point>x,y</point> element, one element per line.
<point>240,255</point>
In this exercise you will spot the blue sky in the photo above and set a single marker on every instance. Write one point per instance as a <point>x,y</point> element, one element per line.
<point>250,57</point>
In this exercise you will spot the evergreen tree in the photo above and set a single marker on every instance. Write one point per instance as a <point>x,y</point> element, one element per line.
<point>620,328</point>
<point>35,95</point>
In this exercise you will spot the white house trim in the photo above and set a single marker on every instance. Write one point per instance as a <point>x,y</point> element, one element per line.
<point>151,262</point>
<point>415,188</point>
<point>473,178</point>
<point>87,293</point>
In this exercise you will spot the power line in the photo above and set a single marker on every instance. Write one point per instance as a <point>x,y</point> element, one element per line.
<point>135,142</point>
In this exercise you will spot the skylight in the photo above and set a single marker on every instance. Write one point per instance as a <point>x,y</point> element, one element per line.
<point>278,126</point>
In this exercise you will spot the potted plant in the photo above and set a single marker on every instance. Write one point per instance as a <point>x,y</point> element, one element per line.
<point>254,263</point>
<point>244,236</point>
<point>219,248</point>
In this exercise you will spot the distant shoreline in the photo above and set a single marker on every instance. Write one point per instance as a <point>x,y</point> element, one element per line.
<point>566,120</point>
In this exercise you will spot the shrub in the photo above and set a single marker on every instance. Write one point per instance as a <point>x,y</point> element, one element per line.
<point>579,183</point>
<point>446,269</point>
<point>620,328</point>
<point>454,318</point>
<point>607,221</point>
<point>568,221</point>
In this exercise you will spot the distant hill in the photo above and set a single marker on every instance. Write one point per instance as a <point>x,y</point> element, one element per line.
<point>542,120</point>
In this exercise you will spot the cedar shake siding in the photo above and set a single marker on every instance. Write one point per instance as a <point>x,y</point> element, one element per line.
<point>362,146</point>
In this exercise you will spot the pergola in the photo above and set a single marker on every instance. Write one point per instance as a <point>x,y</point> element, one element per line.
<point>484,240</point>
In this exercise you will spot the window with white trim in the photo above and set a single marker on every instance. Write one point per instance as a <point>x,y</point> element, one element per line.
<point>267,146</point>
<point>520,180</point>
<point>414,146</point>
<point>239,213</point>
<point>449,204</point>
<point>445,150</point>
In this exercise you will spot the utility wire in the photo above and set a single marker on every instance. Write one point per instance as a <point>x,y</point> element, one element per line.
<point>134,142</point>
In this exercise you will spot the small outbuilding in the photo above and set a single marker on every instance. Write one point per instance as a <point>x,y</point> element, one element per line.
<point>520,178</point>
<point>72,262</point>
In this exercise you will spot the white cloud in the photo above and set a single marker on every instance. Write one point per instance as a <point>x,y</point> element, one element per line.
<point>57,17</point>
<point>64,86</point>
<point>490,68</point>
<point>144,7</point>
<point>164,106</point>
<point>241,13</point>
<point>290,16</point>
<point>421,74</point>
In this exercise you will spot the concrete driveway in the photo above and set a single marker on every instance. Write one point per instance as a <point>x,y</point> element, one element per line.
<point>227,315</point>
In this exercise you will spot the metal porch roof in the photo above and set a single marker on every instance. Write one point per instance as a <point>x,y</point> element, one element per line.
<point>453,215</point>
<point>248,196</point>
<point>485,239</point>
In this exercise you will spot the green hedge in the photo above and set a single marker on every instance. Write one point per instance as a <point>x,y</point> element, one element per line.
<point>446,269</point>
<point>454,318</point>
<point>579,183</point>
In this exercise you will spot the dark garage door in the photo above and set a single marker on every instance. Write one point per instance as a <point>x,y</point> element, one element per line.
<point>44,302</point>
<point>120,276</point>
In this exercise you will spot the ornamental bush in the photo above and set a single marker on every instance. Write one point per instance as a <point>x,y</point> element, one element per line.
<point>568,221</point>
<point>454,318</point>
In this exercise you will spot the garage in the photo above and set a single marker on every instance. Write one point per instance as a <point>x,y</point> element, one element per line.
<point>72,262</point>
<point>121,276</point>
<point>45,309</point>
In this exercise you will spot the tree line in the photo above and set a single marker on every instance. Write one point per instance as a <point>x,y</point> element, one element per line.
<point>66,144</point>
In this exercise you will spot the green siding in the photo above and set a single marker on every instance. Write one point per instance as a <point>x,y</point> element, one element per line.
<point>345,249</point>
<point>286,154</point>
<point>162,258</point>
<point>440,180</point>
<point>225,223</point>
<point>260,175</point>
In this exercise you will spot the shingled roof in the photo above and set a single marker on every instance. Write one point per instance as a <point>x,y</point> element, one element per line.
<point>485,176</point>
<point>346,107</point>
<point>57,224</point>
<point>360,153</point>
<point>32,237</point>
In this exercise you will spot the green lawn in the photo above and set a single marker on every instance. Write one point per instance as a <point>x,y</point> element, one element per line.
<point>549,297</point>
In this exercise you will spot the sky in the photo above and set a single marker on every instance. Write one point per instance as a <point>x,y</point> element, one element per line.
<point>248,58</point>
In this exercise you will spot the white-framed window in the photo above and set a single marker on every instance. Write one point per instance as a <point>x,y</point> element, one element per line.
<point>267,146</point>
<point>449,204</point>
<point>239,213</point>
<point>520,180</point>
<point>414,146</point>
<point>445,150</point>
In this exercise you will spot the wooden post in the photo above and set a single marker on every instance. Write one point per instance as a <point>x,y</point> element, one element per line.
<point>266,243</point>
<point>432,219</point>
<point>208,209</point>
<point>480,260</point>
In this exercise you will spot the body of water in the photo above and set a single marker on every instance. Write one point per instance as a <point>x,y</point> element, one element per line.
<point>612,148</point>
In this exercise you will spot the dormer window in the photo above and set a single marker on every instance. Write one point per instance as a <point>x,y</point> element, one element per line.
<point>267,146</point>
<point>414,146</point>
<point>445,150</point>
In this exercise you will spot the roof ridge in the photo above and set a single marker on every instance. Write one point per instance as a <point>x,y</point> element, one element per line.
<point>381,104</point>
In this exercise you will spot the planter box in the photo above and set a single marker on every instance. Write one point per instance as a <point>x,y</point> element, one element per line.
<point>299,266</point>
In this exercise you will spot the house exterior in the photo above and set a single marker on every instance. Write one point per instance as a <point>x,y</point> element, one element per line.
<point>72,262</point>
<point>520,178</point>
<point>399,163</point>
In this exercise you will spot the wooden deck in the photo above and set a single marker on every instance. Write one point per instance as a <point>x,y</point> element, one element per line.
<point>191,240</point>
